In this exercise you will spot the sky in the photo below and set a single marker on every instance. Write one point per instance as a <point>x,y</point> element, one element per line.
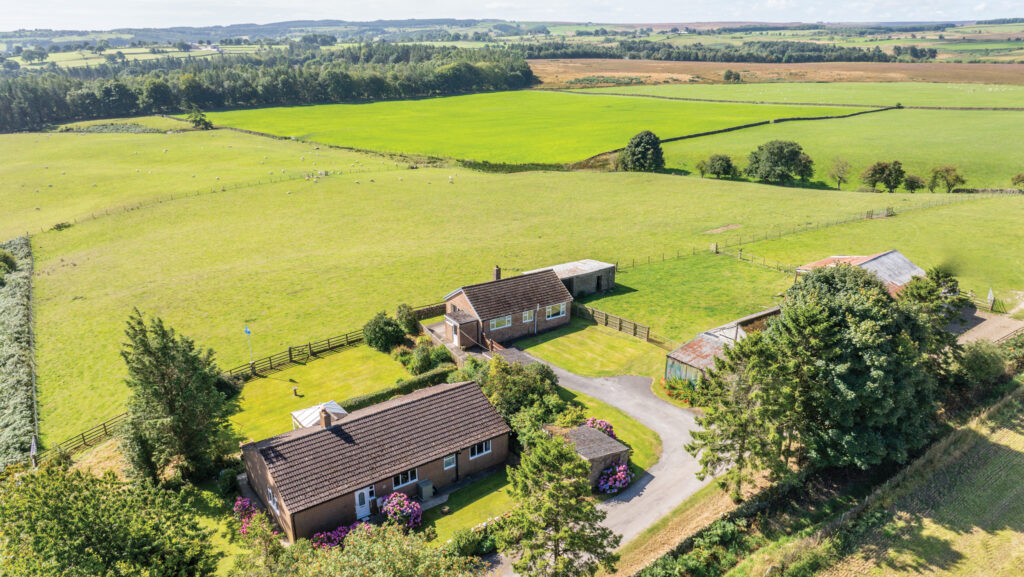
<point>106,14</point>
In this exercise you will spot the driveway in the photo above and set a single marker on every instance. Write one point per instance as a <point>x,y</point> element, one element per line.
<point>665,485</point>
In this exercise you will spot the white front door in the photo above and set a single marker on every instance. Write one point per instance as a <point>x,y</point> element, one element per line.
<point>455,334</point>
<point>363,499</point>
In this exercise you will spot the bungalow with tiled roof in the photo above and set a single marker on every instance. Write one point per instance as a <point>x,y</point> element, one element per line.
<point>317,478</point>
<point>506,309</point>
<point>891,267</point>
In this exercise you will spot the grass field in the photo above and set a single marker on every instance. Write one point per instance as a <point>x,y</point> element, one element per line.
<point>308,265</point>
<point>54,177</point>
<point>962,516</point>
<point>978,241</point>
<point>493,127</point>
<point>861,93</point>
<point>680,298</point>
<point>266,404</point>
<point>595,351</point>
<point>920,139</point>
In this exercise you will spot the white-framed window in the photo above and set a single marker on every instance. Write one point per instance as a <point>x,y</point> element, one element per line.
<point>528,316</point>
<point>501,322</point>
<point>554,311</point>
<point>480,449</point>
<point>404,478</point>
<point>449,462</point>
<point>272,500</point>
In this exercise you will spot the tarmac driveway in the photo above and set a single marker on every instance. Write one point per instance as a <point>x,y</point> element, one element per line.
<point>666,484</point>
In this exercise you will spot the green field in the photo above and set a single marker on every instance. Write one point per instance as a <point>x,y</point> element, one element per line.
<point>979,241</point>
<point>321,260</point>
<point>860,93</point>
<point>496,127</point>
<point>976,142</point>
<point>590,350</point>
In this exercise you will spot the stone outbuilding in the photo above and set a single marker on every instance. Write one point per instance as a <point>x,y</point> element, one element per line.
<point>596,448</point>
<point>584,277</point>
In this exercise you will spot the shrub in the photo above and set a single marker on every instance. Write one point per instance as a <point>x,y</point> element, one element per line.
<point>407,319</point>
<point>1013,350</point>
<point>1018,180</point>
<point>244,512</point>
<point>383,332</point>
<point>227,480</point>
<point>721,165</point>
<point>464,542</point>
<point>601,425</point>
<point>572,416</point>
<point>402,354</point>
<point>402,510</point>
<point>983,363</point>
<point>15,354</point>
<point>61,226</point>
<point>643,153</point>
<point>403,387</point>
<point>615,478</point>
<point>7,261</point>
<point>335,538</point>
<point>680,390</point>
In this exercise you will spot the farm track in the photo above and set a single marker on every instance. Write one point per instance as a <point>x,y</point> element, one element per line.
<point>775,103</point>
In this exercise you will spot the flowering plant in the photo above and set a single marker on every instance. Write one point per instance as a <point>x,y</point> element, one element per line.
<point>615,478</point>
<point>680,390</point>
<point>602,425</point>
<point>402,510</point>
<point>335,538</point>
<point>244,512</point>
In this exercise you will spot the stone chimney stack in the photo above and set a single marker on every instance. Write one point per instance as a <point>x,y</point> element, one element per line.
<point>497,272</point>
<point>325,418</point>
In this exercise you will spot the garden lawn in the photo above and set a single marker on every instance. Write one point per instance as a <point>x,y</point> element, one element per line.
<point>979,241</point>
<point>513,127</point>
<point>679,298</point>
<point>471,505</point>
<point>973,141</point>
<point>297,261</point>
<point>589,350</point>
<point>859,93</point>
<point>66,177</point>
<point>265,404</point>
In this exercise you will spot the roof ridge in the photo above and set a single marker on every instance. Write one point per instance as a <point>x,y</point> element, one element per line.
<point>508,278</point>
<point>405,399</point>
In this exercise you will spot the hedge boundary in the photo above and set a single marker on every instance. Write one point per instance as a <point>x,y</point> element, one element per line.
<point>435,376</point>
<point>17,383</point>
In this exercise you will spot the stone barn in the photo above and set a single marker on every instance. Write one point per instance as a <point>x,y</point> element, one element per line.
<point>584,277</point>
<point>596,448</point>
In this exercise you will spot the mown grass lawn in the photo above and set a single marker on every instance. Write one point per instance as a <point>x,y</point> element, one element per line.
<point>520,126</point>
<point>679,298</point>
<point>590,350</point>
<point>323,259</point>
<point>920,139</point>
<point>471,505</point>
<point>265,404</point>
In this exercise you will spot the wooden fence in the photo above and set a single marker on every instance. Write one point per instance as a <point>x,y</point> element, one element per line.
<point>612,321</point>
<point>85,439</point>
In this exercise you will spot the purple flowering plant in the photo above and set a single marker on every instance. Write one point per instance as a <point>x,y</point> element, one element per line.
<point>402,510</point>
<point>615,478</point>
<point>244,511</point>
<point>335,538</point>
<point>601,425</point>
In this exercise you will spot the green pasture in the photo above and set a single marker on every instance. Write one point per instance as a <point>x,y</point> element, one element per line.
<point>681,297</point>
<point>591,350</point>
<point>979,241</point>
<point>979,143</point>
<point>54,177</point>
<point>860,93</point>
<point>515,127</point>
<point>300,260</point>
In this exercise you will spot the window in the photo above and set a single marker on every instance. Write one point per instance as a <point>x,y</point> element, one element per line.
<point>272,499</point>
<point>449,462</point>
<point>480,449</point>
<point>555,311</point>
<point>501,322</point>
<point>528,317</point>
<point>404,478</point>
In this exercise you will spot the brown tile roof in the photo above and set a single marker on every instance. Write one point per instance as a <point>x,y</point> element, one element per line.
<point>314,465</point>
<point>515,294</point>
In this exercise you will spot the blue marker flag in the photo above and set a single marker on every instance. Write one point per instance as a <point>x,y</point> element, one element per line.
<point>247,331</point>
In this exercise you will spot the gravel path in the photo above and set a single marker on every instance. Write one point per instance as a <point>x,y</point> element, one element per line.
<point>666,484</point>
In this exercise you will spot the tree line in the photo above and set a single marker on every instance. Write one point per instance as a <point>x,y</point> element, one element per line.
<point>753,51</point>
<point>291,76</point>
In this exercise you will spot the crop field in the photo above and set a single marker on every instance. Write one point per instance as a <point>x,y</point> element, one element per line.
<point>962,517</point>
<point>63,177</point>
<point>492,127</point>
<point>973,141</point>
<point>297,259</point>
<point>860,93</point>
<point>979,241</point>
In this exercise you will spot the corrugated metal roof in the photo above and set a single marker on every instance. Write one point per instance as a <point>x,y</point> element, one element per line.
<point>575,268</point>
<point>701,352</point>
<point>891,267</point>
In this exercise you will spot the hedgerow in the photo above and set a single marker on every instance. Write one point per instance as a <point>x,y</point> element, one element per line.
<point>16,414</point>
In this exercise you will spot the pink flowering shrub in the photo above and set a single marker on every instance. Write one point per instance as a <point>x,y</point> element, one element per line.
<point>335,538</point>
<point>402,510</point>
<point>602,425</point>
<point>244,512</point>
<point>615,478</point>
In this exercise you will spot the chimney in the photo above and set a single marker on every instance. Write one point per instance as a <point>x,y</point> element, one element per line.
<point>325,418</point>
<point>497,272</point>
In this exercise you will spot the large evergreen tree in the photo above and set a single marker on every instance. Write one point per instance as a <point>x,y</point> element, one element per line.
<point>177,410</point>
<point>556,528</point>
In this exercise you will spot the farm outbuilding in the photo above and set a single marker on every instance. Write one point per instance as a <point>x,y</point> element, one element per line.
<point>596,448</point>
<point>690,361</point>
<point>584,277</point>
<point>891,267</point>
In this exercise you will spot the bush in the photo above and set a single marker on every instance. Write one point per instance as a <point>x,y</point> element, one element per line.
<point>227,481</point>
<point>643,153</point>
<point>16,420</point>
<point>983,363</point>
<point>615,478</point>
<point>721,165</point>
<point>464,542</point>
<point>332,539</point>
<point>402,510</point>
<point>403,387</point>
<point>7,261</point>
<point>572,416</point>
<point>601,425</point>
<point>1013,351</point>
<point>1018,180</point>
<point>383,332</point>
<point>407,319</point>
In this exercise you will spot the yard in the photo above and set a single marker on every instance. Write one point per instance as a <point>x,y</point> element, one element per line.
<point>589,350</point>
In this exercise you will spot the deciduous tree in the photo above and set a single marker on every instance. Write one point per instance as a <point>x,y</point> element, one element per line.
<point>947,177</point>
<point>839,172</point>
<point>780,162</point>
<point>383,332</point>
<point>913,183</point>
<point>721,165</point>
<point>643,153</point>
